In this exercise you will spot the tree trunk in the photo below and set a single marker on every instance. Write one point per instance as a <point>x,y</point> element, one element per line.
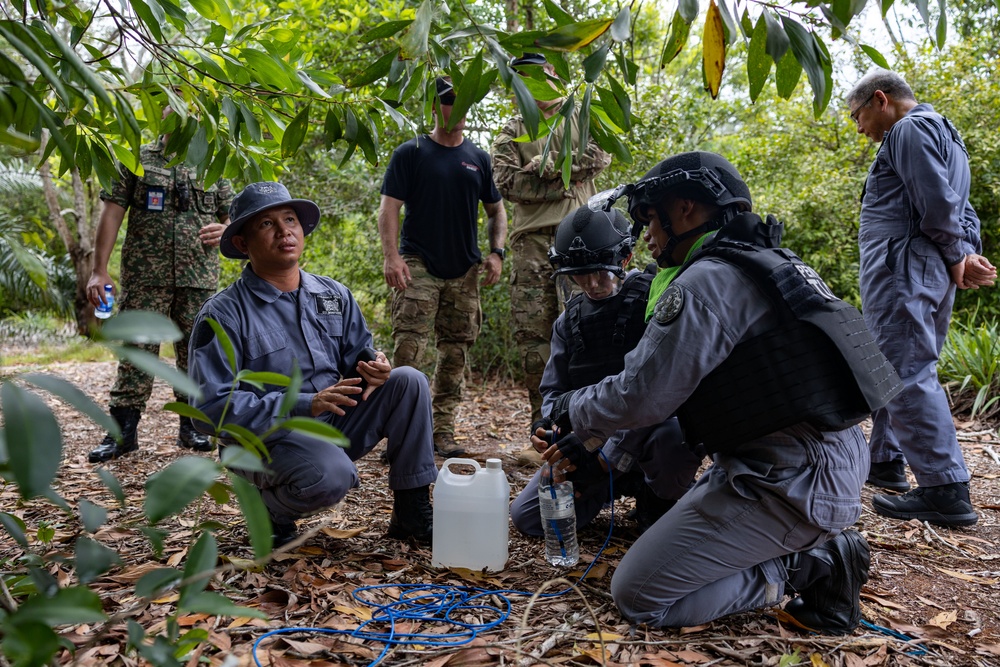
<point>79,242</point>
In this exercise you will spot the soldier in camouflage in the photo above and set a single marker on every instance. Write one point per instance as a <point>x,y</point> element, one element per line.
<point>170,265</point>
<point>540,201</point>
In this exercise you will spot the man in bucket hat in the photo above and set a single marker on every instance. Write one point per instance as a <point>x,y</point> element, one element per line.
<point>278,317</point>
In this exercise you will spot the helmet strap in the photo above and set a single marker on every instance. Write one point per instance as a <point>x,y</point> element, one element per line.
<point>666,258</point>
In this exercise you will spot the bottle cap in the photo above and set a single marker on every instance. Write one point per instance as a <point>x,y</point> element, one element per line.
<point>494,464</point>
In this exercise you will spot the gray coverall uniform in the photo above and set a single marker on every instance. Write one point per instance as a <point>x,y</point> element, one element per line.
<point>717,550</point>
<point>320,328</point>
<point>916,221</point>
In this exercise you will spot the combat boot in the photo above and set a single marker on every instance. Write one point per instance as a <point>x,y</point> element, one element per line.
<point>445,445</point>
<point>189,437</point>
<point>889,475</point>
<point>412,515</point>
<point>128,422</point>
<point>828,580</point>
<point>944,505</point>
<point>649,507</point>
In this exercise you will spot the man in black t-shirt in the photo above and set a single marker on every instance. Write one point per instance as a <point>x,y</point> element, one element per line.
<point>434,271</point>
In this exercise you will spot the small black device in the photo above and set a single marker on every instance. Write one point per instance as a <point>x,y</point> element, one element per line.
<point>367,354</point>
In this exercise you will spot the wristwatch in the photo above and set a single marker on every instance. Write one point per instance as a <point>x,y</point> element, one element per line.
<point>500,251</point>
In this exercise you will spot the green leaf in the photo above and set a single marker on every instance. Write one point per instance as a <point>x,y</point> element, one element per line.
<point>758,61</point>
<point>807,52</point>
<point>383,30</point>
<point>140,327</point>
<point>679,31</point>
<point>170,490</point>
<point>777,40</point>
<point>375,71</point>
<point>240,458</point>
<point>214,10</point>
<point>93,516</point>
<point>526,105</point>
<point>924,11</point>
<point>466,90</point>
<point>575,36</point>
<point>28,642</point>
<point>609,141</point>
<point>610,106</point>
<point>256,514</point>
<point>85,73</point>
<point>37,56</point>
<point>92,559</point>
<point>291,396</point>
<point>594,63</point>
<point>295,133</point>
<point>151,365</point>
<point>201,560</point>
<point>208,602</point>
<point>15,526</point>
<point>187,410</point>
<point>156,538</point>
<point>309,83</point>
<point>688,9</point>
<point>728,22</point>
<point>156,582</point>
<point>33,438</point>
<point>247,438</point>
<point>225,342</point>
<point>500,59</point>
<point>267,70</point>
<point>876,57</point>
<point>942,24</point>
<point>559,15</point>
<point>621,28</point>
<point>316,428</point>
<point>624,102</point>
<point>113,485</point>
<point>332,131</point>
<point>69,606</point>
<point>69,393</point>
<point>219,493</point>
<point>786,75</point>
<point>414,40</point>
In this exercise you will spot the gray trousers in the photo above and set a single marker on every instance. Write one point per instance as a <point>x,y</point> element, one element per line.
<point>307,475</point>
<point>718,550</point>
<point>908,295</point>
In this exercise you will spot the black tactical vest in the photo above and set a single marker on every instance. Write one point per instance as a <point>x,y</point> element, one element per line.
<point>820,365</point>
<point>601,333</point>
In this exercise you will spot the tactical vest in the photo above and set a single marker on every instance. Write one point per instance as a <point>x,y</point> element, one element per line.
<point>819,365</point>
<point>602,333</point>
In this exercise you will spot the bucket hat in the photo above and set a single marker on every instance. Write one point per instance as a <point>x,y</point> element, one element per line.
<point>258,197</point>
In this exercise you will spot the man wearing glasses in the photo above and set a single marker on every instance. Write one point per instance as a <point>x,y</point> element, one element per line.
<point>434,270</point>
<point>919,241</point>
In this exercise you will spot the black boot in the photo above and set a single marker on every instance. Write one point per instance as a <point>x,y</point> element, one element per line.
<point>649,507</point>
<point>190,438</point>
<point>829,580</point>
<point>944,505</point>
<point>282,532</point>
<point>412,515</point>
<point>888,475</point>
<point>128,421</point>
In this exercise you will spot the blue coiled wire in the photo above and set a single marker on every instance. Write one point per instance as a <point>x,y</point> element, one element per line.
<point>436,604</point>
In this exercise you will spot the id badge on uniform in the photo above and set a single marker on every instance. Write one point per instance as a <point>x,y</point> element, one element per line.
<point>154,198</point>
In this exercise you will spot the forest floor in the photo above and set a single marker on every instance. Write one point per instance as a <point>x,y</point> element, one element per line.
<point>933,597</point>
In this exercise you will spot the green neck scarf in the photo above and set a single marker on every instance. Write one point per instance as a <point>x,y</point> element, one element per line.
<point>665,276</point>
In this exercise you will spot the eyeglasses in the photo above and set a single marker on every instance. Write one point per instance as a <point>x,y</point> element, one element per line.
<point>854,114</point>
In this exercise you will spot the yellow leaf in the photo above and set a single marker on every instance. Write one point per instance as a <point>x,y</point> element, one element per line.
<point>242,563</point>
<point>608,637</point>
<point>817,661</point>
<point>342,534</point>
<point>173,597</point>
<point>363,614</point>
<point>969,577</point>
<point>595,655</point>
<point>944,619</point>
<point>713,55</point>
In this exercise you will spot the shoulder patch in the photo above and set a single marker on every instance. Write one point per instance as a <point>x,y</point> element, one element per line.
<point>669,305</point>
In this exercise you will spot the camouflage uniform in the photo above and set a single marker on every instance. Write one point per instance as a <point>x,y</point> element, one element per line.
<point>451,309</point>
<point>165,266</point>
<point>540,203</point>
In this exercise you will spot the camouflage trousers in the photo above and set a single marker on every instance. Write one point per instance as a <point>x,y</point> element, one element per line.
<point>181,304</point>
<point>535,302</point>
<point>449,308</point>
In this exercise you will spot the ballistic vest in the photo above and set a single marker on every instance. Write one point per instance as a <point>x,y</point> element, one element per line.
<point>601,333</point>
<point>819,365</point>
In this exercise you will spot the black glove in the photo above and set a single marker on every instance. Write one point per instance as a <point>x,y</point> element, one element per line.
<point>559,415</point>
<point>543,423</point>
<point>588,465</point>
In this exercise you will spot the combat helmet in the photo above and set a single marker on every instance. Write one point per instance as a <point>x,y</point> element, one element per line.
<point>699,175</point>
<point>588,240</point>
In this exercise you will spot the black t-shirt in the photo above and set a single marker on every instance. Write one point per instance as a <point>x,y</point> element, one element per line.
<point>441,187</point>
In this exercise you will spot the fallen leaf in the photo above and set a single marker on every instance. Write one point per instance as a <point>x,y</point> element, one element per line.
<point>339,534</point>
<point>596,572</point>
<point>970,578</point>
<point>929,603</point>
<point>944,619</point>
<point>695,628</point>
<point>988,649</point>
<point>607,637</point>
<point>816,660</point>
<point>361,613</point>
<point>304,648</point>
<point>594,654</point>
<point>882,601</point>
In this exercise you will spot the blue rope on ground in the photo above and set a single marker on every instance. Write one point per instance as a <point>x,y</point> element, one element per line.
<point>919,650</point>
<point>436,605</point>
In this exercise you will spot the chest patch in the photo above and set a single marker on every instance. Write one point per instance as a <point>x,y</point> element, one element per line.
<point>328,304</point>
<point>669,306</point>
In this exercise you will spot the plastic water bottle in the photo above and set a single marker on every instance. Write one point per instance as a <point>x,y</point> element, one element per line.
<point>471,516</point>
<point>103,310</point>
<point>555,502</point>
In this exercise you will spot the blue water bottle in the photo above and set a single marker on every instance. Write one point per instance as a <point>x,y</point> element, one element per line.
<point>103,310</point>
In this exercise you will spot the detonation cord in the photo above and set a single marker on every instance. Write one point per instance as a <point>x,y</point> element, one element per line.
<point>440,605</point>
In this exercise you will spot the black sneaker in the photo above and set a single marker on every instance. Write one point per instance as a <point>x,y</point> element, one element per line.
<point>412,515</point>
<point>829,580</point>
<point>945,505</point>
<point>889,475</point>
<point>445,445</point>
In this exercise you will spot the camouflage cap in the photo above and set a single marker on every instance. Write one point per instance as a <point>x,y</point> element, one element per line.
<point>259,197</point>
